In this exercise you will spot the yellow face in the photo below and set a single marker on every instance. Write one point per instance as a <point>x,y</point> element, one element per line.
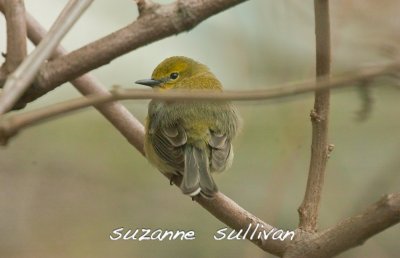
<point>180,72</point>
<point>175,72</point>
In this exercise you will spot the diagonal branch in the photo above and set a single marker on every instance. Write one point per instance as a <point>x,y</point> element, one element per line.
<point>19,81</point>
<point>238,218</point>
<point>154,23</point>
<point>320,149</point>
<point>351,232</point>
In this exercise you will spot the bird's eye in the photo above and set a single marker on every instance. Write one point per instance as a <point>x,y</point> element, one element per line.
<point>173,76</point>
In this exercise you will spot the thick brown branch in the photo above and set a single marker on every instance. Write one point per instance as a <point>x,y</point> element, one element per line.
<point>154,24</point>
<point>308,210</point>
<point>350,232</point>
<point>238,218</point>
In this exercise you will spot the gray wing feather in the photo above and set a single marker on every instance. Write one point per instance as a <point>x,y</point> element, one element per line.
<point>169,145</point>
<point>191,176</point>
<point>220,151</point>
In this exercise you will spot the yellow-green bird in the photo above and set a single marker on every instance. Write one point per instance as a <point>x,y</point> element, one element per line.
<point>189,138</point>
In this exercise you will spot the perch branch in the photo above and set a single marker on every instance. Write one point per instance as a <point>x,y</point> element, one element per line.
<point>19,81</point>
<point>234,216</point>
<point>308,210</point>
<point>351,232</point>
<point>155,23</point>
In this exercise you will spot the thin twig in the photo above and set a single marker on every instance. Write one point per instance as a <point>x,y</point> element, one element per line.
<point>351,232</point>
<point>11,125</point>
<point>154,23</point>
<point>19,81</point>
<point>320,149</point>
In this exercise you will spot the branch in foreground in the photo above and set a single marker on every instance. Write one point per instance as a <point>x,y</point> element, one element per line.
<point>11,125</point>
<point>350,232</point>
<point>308,210</point>
<point>14,12</point>
<point>19,81</point>
<point>154,23</point>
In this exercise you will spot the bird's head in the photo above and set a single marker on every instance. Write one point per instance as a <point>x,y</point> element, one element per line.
<point>183,73</point>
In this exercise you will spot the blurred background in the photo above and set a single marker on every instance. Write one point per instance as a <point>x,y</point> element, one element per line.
<point>66,184</point>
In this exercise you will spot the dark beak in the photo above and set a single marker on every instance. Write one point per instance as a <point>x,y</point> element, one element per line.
<point>149,82</point>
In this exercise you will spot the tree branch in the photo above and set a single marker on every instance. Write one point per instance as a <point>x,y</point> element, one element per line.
<point>234,216</point>
<point>10,125</point>
<point>18,82</point>
<point>154,23</point>
<point>14,12</point>
<point>308,210</point>
<point>350,232</point>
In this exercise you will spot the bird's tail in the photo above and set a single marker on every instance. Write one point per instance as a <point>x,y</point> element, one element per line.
<point>196,176</point>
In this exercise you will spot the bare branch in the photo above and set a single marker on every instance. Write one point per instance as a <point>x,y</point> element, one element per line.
<point>156,23</point>
<point>350,232</point>
<point>14,12</point>
<point>238,218</point>
<point>18,82</point>
<point>11,125</point>
<point>308,210</point>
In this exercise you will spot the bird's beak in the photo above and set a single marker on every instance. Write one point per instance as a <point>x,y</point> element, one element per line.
<point>149,82</point>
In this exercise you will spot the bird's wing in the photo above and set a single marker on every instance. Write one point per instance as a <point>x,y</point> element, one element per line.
<point>220,150</point>
<point>168,144</point>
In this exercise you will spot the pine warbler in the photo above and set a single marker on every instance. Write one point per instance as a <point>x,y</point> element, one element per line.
<point>189,138</point>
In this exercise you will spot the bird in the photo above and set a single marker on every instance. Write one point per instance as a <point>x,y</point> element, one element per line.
<point>192,139</point>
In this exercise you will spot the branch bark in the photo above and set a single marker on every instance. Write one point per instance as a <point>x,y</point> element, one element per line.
<point>19,81</point>
<point>165,20</point>
<point>350,232</point>
<point>14,12</point>
<point>308,210</point>
<point>234,216</point>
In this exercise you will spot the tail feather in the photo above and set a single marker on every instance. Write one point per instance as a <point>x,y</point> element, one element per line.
<point>196,177</point>
<point>191,177</point>
<point>207,184</point>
